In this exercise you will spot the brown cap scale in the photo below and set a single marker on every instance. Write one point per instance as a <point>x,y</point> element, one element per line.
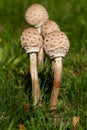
<point>56,45</point>
<point>48,27</point>
<point>36,15</point>
<point>32,41</point>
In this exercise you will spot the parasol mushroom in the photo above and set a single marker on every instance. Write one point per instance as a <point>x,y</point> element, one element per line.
<point>48,27</point>
<point>36,15</point>
<point>32,42</point>
<point>56,45</point>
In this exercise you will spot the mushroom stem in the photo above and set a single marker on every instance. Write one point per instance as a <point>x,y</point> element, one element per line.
<point>56,83</point>
<point>41,52</point>
<point>38,29</point>
<point>41,57</point>
<point>34,78</point>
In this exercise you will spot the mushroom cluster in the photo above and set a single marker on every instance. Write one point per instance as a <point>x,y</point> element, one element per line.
<point>44,36</point>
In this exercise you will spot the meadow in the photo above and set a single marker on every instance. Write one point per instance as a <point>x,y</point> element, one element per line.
<point>15,81</point>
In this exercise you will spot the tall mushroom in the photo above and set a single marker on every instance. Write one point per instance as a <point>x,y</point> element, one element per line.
<point>36,15</point>
<point>32,42</point>
<point>56,45</point>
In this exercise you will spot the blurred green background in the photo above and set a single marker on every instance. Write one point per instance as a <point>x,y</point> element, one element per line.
<point>15,82</point>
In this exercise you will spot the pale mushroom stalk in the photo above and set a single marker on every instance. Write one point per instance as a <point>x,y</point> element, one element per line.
<point>41,57</point>
<point>32,42</point>
<point>41,52</point>
<point>34,78</point>
<point>56,83</point>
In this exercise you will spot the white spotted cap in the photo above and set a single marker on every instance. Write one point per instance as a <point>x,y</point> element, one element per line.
<point>31,40</point>
<point>56,44</point>
<point>36,15</point>
<point>48,27</point>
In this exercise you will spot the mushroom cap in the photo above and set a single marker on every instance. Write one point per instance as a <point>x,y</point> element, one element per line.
<point>36,15</point>
<point>56,44</point>
<point>31,40</point>
<point>48,27</point>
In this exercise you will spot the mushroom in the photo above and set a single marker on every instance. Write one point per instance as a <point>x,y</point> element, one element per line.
<point>32,42</point>
<point>56,45</point>
<point>36,15</point>
<point>48,27</point>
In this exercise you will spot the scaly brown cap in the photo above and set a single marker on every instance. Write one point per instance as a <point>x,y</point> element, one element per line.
<point>36,15</point>
<point>56,44</point>
<point>31,40</point>
<point>48,27</point>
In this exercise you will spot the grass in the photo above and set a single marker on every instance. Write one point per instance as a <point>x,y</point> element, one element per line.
<point>15,82</point>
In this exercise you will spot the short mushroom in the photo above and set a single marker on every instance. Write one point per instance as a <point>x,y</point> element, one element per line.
<point>56,45</point>
<point>48,27</point>
<point>32,42</point>
<point>36,15</point>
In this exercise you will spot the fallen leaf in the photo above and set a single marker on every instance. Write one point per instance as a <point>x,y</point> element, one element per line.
<point>76,120</point>
<point>21,127</point>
